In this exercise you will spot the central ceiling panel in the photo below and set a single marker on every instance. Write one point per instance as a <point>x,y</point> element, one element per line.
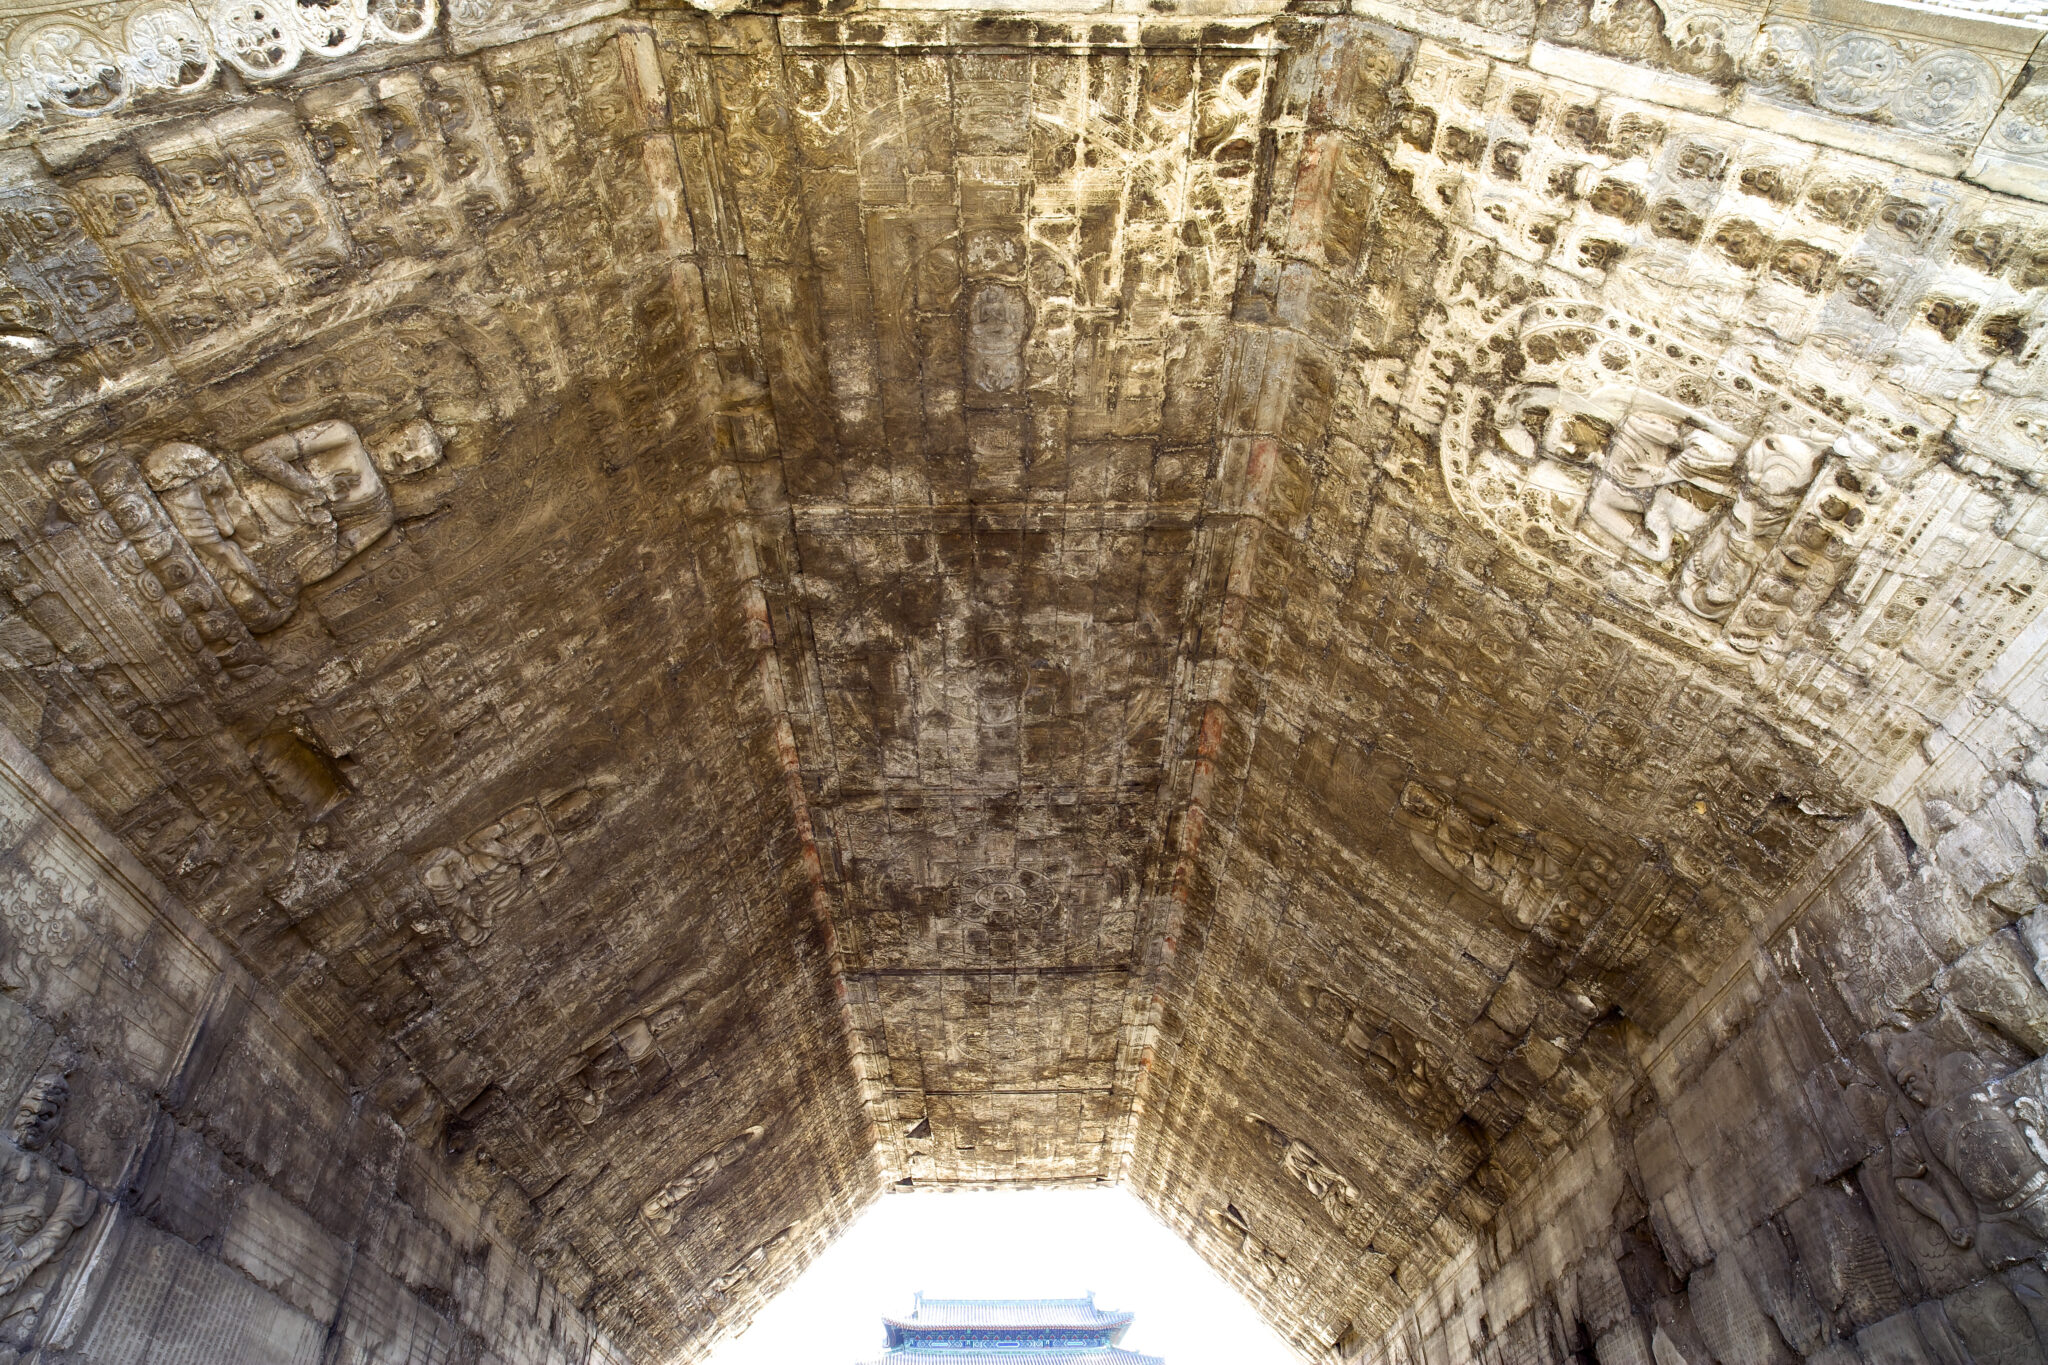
<point>1023,243</point>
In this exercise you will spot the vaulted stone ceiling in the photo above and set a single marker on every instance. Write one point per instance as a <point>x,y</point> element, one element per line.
<point>920,597</point>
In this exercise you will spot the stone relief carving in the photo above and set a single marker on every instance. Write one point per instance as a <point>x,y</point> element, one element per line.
<point>412,449</point>
<point>198,240</point>
<point>1919,85</point>
<point>469,884</point>
<point>1411,1069</point>
<point>747,1266</point>
<point>1266,1265</point>
<point>1005,892</point>
<point>91,61</point>
<point>1970,1166</point>
<point>607,1068</point>
<point>1323,1182</point>
<point>215,556</point>
<point>49,920</point>
<point>1863,291</point>
<point>40,1206</point>
<point>111,501</point>
<point>208,510</point>
<point>1995,984</point>
<point>1533,875</point>
<point>1920,75</point>
<point>1689,486</point>
<point>665,1209</point>
<point>318,498</point>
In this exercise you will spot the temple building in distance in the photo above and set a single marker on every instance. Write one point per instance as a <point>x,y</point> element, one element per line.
<point>1024,1331</point>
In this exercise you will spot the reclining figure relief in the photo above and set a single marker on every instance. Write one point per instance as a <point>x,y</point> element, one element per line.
<point>1668,486</point>
<point>1722,507</point>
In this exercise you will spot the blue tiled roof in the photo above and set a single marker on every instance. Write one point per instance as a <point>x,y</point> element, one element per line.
<point>1080,1312</point>
<point>996,1355</point>
<point>1008,1332</point>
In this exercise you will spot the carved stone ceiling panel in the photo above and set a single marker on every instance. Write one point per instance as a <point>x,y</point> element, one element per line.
<point>795,604</point>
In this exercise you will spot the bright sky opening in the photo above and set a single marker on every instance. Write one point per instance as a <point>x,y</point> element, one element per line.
<point>1008,1245</point>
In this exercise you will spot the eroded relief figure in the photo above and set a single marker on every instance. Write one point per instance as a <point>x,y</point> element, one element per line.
<point>203,502</point>
<point>1967,1135</point>
<point>294,510</point>
<point>1654,474</point>
<point>1776,472</point>
<point>665,1209</point>
<point>472,882</point>
<point>40,1206</point>
<point>1328,1187</point>
<point>1670,474</point>
<point>749,1265</point>
<point>1522,870</point>
<point>320,496</point>
<point>1659,468</point>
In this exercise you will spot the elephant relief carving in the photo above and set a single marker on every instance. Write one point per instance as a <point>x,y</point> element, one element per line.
<point>1960,1159</point>
<point>40,1206</point>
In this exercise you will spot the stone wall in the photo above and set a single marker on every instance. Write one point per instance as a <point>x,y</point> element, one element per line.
<point>188,1176</point>
<point>1837,1152</point>
<point>732,609</point>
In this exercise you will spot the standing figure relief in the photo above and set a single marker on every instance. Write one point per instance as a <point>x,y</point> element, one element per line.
<point>40,1206</point>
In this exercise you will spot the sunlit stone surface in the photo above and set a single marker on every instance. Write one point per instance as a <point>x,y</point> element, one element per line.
<point>1412,630</point>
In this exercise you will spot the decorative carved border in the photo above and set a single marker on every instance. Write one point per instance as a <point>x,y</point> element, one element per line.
<point>95,59</point>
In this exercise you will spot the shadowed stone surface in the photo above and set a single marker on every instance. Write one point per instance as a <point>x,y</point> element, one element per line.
<point>1411,632</point>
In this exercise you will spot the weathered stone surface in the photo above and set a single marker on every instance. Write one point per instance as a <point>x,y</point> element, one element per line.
<point>1411,632</point>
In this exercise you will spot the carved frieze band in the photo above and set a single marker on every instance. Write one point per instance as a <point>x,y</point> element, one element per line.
<point>90,61</point>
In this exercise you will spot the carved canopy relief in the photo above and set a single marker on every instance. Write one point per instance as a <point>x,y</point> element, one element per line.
<point>1635,462</point>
